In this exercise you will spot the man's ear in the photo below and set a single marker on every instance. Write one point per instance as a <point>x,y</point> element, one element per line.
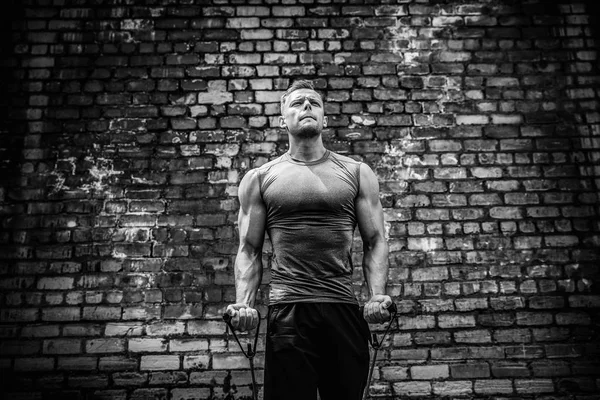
<point>324,122</point>
<point>282,123</point>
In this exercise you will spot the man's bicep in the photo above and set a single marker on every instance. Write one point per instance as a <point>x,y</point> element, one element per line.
<point>252,213</point>
<point>369,210</point>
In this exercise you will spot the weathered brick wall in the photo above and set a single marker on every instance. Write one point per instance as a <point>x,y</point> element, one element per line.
<point>127,125</point>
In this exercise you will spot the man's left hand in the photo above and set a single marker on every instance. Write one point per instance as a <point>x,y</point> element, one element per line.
<point>375,311</point>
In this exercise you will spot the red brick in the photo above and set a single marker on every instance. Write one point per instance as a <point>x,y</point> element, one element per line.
<point>130,378</point>
<point>160,363</point>
<point>526,386</point>
<point>62,346</point>
<point>14,347</point>
<point>61,314</point>
<point>475,336</point>
<point>394,373</point>
<point>509,369</point>
<point>546,302</point>
<point>548,368</point>
<point>187,345</point>
<point>470,370</point>
<point>493,386</point>
<point>430,274</point>
<point>430,372</point>
<point>147,345</point>
<point>453,388</point>
<point>412,388</point>
<point>104,346</point>
<point>550,334</point>
<point>471,304</point>
<point>77,363</point>
<point>456,321</point>
<point>419,322</point>
<point>526,352</point>
<point>33,364</point>
<point>572,318</point>
<point>409,354</point>
<point>586,301</point>
<point>563,350</point>
<point>118,363</point>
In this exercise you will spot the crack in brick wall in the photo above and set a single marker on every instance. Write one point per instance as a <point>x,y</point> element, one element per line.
<point>126,128</point>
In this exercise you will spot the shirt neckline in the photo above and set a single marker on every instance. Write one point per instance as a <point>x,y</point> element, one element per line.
<point>299,162</point>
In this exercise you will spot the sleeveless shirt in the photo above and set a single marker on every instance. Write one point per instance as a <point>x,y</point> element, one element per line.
<point>311,220</point>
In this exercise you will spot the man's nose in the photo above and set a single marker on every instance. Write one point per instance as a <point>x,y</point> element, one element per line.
<point>307,104</point>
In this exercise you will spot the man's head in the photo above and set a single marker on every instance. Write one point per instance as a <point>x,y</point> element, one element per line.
<point>302,110</point>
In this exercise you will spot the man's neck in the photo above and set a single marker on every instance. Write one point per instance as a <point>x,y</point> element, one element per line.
<point>310,149</point>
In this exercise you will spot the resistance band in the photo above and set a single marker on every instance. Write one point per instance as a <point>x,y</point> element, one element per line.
<point>376,344</point>
<point>249,353</point>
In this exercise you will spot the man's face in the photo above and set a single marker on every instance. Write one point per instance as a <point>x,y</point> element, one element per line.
<point>303,114</point>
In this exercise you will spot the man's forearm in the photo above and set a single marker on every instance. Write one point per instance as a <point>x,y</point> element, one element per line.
<point>375,266</point>
<point>248,275</point>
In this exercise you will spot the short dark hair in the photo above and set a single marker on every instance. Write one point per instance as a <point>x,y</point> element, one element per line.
<point>296,85</point>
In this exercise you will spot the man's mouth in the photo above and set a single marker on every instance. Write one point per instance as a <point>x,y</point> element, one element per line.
<point>308,116</point>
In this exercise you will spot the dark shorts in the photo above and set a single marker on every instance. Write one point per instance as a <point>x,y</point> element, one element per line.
<point>312,347</point>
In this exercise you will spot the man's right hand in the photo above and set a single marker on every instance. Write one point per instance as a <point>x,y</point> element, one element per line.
<point>243,317</point>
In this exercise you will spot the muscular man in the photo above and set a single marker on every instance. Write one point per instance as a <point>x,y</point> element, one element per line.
<point>310,200</point>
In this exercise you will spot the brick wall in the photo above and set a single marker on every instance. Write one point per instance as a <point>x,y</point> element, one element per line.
<point>127,126</point>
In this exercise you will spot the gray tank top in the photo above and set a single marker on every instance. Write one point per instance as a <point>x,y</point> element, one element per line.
<point>311,220</point>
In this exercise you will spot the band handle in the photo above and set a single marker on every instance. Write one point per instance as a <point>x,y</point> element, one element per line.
<point>392,309</point>
<point>251,350</point>
<point>376,343</point>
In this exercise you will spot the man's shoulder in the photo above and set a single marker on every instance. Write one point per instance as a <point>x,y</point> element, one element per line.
<point>266,166</point>
<point>343,159</point>
<point>256,174</point>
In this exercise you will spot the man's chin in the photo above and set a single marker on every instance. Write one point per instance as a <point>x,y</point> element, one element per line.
<point>308,132</point>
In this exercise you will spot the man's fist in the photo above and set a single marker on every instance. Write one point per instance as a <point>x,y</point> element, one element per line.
<point>376,309</point>
<point>243,318</point>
